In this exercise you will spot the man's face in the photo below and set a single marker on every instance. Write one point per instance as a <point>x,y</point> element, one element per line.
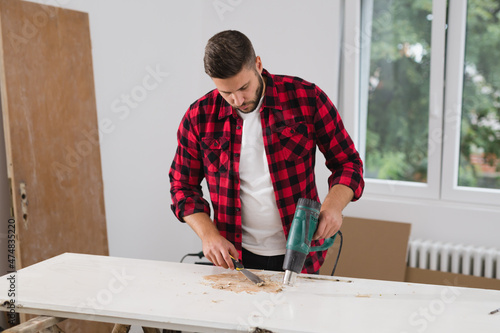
<point>244,90</point>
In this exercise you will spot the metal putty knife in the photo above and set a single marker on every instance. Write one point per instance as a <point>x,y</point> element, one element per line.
<point>251,276</point>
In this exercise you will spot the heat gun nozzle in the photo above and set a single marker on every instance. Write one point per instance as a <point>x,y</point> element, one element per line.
<point>289,278</point>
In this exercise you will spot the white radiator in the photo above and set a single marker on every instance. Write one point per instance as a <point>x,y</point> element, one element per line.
<point>454,258</point>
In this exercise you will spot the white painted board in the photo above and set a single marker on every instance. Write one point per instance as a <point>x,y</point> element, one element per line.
<point>178,296</point>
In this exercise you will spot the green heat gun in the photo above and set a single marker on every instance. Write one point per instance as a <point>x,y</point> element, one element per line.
<point>298,245</point>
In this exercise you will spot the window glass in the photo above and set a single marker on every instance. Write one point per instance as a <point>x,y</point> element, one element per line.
<point>480,126</point>
<point>398,100</point>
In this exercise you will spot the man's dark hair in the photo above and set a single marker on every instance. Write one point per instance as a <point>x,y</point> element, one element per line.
<point>226,54</point>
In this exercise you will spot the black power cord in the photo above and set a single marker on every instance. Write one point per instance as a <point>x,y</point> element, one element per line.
<point>338,254</point>
<point>199,255</point>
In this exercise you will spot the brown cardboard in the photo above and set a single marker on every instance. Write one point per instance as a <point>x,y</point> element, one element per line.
<point>418,275</point>
<point>372,249</point>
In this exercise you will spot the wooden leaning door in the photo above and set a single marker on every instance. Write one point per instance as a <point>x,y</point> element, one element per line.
<point>51,135</point>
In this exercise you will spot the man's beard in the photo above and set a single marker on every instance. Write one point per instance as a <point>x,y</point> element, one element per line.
<point>258,94</point>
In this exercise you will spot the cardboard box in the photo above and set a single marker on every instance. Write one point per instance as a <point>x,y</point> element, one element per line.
<point>372,249</point>
<point>418,275</point>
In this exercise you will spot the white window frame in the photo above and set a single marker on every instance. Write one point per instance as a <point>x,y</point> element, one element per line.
<point>443,150</point>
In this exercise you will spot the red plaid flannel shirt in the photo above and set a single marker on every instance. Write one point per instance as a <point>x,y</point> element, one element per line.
<point>296,117</point>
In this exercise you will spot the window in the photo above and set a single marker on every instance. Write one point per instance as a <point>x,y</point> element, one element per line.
<point>429,98</point>
<point>479,163</point>
<point>401,73</point>
<point>398,90</point>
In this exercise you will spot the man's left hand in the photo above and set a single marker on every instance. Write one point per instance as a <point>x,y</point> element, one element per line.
<point>330,221</point>
<point>330,215</point>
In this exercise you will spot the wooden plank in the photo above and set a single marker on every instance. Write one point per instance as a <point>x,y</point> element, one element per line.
<point>199,298</point>
<point>119,328</point>
<point>50,120</point>
<point>53,329</point>
<point>154,330</point>
<point>50,128</point>
<point>36,324</point>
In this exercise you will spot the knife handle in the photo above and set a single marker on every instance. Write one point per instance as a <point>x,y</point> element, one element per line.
<point>237,265</point>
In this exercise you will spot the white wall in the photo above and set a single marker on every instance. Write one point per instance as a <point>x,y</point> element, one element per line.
<point>132,38</point>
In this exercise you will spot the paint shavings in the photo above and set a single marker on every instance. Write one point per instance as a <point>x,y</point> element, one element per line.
<point>237,282</point>
<point>363,295</point>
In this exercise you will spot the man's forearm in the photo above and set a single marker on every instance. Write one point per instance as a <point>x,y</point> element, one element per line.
<point>202,224</point>
<point>338,197</point>
<point>330,217</point>
<point>216,248</point>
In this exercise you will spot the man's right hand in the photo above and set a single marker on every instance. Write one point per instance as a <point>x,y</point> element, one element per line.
<point>216,248</point>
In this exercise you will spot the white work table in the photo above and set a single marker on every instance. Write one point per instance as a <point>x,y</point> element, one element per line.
<point>178,296</point>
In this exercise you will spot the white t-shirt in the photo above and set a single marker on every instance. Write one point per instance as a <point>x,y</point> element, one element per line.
<point>261,223</point>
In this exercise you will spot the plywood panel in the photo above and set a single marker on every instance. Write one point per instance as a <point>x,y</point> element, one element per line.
<point>50,122</point>
<point>51,126</point>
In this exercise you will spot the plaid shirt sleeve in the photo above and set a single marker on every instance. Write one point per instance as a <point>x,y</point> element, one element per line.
<point>334,142</point>
<point>186,173</point>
